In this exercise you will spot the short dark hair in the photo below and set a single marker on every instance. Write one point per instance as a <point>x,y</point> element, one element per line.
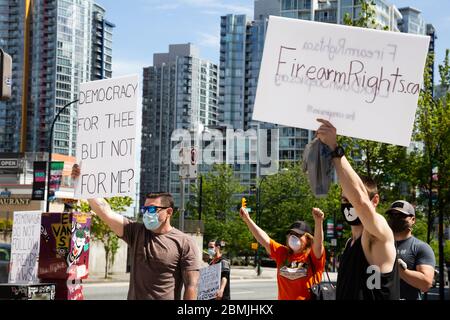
<point>217,243</point>
<point>166,198</point>
<point>371,186</point>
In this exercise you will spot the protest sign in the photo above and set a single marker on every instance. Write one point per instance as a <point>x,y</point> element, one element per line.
<point>25,247</point>
<point>64,248</point>
<point>106,138</point>
<point>209,282</point>
<point>365,82</point>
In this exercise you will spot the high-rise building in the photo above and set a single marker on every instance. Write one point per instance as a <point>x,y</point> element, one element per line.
<point>233,64</point>
<point>334,11</point>
<point>11,41</point>
<point>386,14</point>
<point>180,91</point>
<point>102,31</point>
<point>241,48</point>
<point>55,58</point>
<point>412,21</point>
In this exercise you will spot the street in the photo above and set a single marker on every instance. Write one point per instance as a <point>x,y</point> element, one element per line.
<point>264,289</point>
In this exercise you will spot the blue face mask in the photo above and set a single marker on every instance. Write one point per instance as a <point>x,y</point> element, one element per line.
<point>150,217</point>
<point>151,221</point>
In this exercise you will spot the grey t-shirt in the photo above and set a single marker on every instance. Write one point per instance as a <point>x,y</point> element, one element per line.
<point>414,252</point>
<point>157,262</point>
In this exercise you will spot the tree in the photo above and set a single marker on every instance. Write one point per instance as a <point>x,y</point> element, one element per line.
<point>220,198</point>
<point>102,232</point>
<point>432,127</point>
<point>393,168</point>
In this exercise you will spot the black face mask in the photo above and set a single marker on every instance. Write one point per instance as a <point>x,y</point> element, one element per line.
<point>349,214</point>
<point>398,223</point>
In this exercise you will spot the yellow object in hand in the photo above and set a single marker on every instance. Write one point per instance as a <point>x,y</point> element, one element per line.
<point>244,203</point>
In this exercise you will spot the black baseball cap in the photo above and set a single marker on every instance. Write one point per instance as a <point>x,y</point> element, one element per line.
<point>402,207</point>
<point>300,227</point>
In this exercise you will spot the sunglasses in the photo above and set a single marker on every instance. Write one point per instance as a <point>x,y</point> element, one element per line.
<point>151,209</point>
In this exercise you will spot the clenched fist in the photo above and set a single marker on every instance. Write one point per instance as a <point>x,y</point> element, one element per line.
<point>318,214</point>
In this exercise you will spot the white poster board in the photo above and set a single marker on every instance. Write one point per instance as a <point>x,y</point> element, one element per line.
<point>106,137</point>
<point>25,239</point>
<point>365,82</point>
<point>209,282</point>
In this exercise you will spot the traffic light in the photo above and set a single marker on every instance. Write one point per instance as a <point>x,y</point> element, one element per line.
<point>244,203</point>
<point>5,75</point>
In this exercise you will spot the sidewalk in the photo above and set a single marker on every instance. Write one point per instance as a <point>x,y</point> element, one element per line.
<point>100,278</point>
<point>237,273</point>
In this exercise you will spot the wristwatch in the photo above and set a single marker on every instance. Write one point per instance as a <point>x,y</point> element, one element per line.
<point>338,152</point>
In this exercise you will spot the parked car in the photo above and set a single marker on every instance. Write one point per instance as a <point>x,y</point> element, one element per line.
<point>5,255</point>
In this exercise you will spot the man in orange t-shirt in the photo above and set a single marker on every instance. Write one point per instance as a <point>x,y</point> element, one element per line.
<point>300,264</point>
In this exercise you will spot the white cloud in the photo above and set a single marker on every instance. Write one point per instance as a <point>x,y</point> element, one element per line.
<point>209,40</point>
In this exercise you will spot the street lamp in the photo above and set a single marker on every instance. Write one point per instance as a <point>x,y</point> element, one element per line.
<point>50,151</point>
<point>440,209</point>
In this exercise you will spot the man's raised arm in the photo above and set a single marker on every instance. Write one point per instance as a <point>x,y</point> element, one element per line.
<point>114,220</point>
<point>354,189</point>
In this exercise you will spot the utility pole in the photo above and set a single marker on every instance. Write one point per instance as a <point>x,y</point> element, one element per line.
<point>334,239</point>
<point>26,75</point>
<point>50,151</point>
<point>441,231</point>
<point>200,199</point>
<point>181,220</point>
<point>136,202</point>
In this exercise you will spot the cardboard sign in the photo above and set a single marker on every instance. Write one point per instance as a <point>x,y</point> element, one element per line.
<point>25,247</point>
<point>365,82</point>
<point>65,242</point>
<point>106,138</point>
<point>209,282</point>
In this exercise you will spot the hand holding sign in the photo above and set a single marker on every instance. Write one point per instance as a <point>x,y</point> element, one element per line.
<point>106,140</point>
<point>327,133</point>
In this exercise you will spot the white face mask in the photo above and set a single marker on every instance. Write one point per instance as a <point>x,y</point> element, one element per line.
<point>294,243</point>
<point>211,252</point>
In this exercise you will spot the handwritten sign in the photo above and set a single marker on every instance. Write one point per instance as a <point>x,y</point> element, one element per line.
<point>209,282</point>
<point>25,247</point>
<point>106,139</point>
<point>366,82</point>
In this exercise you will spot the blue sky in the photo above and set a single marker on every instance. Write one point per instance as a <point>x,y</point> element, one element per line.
<point>144,27</point>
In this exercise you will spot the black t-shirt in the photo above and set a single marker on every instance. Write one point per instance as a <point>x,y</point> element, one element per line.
<point>225,273</point>
<point>355,275</point>
<point>414,252</point>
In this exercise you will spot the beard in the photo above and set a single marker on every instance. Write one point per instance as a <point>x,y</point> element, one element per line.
<point>399,225</point>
